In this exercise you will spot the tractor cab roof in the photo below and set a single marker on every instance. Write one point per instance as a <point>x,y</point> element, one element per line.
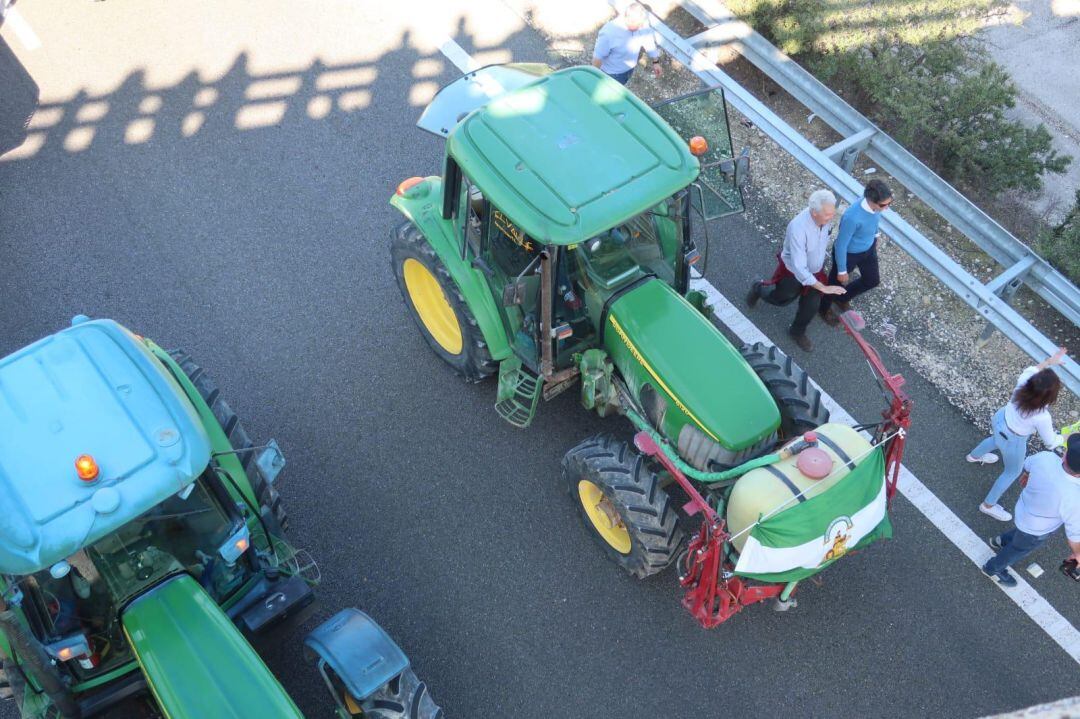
<point>571,155</point>
<point>91,389</point>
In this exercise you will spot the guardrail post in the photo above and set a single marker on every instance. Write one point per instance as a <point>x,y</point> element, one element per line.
<point>845,152</point>
<point>1005,286</point>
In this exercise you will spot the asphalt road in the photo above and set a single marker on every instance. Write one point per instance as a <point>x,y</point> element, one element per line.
<point>261,246</point>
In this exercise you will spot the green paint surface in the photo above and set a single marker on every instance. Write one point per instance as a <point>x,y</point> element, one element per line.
<point>196,662</point>
<point>668,344</point>
<point>571,155</point>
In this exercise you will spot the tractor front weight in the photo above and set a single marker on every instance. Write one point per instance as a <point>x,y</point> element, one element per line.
<point>713,594</point>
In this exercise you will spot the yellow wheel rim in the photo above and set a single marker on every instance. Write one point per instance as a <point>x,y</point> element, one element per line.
<point>604,517</point>
<point>431,304</point>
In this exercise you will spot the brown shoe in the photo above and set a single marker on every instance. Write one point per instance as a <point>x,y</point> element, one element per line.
<point>842,306</point>
<point>802,341</point>
<point>754,294</point>
<point>829,317</point>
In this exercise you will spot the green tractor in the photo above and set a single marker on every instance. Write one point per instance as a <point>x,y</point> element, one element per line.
<point>143,547</point>
<point>557,248</point>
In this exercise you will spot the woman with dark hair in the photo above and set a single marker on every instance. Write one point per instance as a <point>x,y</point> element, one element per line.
<point>1026,413</point>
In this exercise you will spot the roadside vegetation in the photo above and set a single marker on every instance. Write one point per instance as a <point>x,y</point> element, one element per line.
<point>1060,244</point>
<point>916,68</point>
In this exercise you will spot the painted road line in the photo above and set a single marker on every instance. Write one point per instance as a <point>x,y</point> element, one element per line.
<point>974,548</point>
<point>1041,611</point>
<point>21,28</point>
<point>457,55</point>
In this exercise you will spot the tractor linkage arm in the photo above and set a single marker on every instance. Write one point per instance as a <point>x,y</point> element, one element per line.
<point>897,416</point>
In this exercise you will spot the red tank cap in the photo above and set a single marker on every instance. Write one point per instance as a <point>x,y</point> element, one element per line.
<point>814,463</point>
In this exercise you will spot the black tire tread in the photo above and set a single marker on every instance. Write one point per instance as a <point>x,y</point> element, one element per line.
<point>634,489</point>
<point>266,494</point>
<point>474,363</point>
<point>403,697</point>
<point>799,402</point>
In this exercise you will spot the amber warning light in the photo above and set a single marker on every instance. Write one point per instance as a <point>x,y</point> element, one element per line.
<point>86,468</point>
<point>407,184</point>
<point>698,146</point>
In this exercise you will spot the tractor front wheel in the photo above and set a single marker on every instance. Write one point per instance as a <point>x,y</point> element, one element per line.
<point>622,504</point>
<point>799,402</point>
<point>265,493</point>
<point>403,697</point>
<point>437,305</point>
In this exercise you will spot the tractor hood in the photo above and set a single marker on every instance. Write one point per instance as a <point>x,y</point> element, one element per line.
<point>657,338</point>
<point>196,662</point>
<point>92,389</point>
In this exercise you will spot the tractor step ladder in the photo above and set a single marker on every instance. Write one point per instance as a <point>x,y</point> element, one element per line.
<point>519,393</point>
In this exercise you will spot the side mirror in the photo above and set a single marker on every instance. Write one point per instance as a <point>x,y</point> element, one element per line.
<point>742,168</point>
<point>737,170</point>
<point>514,293</point>
<point>270,461</point>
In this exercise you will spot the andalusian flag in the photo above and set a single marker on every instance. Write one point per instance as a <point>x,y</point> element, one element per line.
<point>808,536</point>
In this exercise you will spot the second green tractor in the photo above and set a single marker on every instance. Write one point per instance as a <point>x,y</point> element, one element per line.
<point>557,248</point>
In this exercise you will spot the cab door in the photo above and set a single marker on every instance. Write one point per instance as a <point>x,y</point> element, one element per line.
<point>509,260</point>
<point>723,173</point>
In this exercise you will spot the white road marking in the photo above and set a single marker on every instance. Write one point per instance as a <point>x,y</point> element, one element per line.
<point>457,55</point>
<point>22,29</point>
<point>1041,611</point>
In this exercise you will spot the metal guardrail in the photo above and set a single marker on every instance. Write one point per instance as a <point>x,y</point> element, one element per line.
<point>833,165</point>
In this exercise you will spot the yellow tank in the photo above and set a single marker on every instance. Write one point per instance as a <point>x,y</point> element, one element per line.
<point>762,490</point>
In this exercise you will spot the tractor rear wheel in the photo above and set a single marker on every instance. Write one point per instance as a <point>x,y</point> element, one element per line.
<point>622,504</point>
<point>799,402</point>
<point>403,697</point>
<point>265,493</point>
<point>437,305</point>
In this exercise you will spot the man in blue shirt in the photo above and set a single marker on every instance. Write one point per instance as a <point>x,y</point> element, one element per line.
<point>621,41</point>
<point>856,247</point>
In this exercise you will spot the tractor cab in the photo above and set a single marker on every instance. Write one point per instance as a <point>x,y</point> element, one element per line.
<point>112,490</point>
<point>566,192</point>
<point>142,546</point>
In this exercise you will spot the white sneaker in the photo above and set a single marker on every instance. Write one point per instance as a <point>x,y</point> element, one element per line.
<point>985,459</point>
<point>997,512</point>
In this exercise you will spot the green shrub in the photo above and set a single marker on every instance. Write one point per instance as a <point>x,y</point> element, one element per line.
<point>1061,244</point>
<point>909,66</point>
<point>946,102</point>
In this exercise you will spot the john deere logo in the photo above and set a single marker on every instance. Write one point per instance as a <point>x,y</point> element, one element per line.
<point>836,538</point>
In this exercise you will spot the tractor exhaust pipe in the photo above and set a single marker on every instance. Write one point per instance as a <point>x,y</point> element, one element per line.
<point>38,663</point>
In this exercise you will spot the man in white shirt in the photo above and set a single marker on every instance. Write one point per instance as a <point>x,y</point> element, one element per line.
<point>800,272</point>
<point>621,41</point>
<point>1050,499</point>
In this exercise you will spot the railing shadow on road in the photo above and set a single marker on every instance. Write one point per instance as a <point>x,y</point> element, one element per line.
<point>18,99</point>
<point>194,110</point>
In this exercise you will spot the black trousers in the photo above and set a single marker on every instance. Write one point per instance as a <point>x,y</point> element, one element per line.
<point>785,292</point>
<point>869,276</point>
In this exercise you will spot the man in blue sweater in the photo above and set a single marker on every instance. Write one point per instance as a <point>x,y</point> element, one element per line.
<point>856,247</point>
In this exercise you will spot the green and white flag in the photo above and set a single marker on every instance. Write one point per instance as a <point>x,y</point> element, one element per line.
<point>806,537</point>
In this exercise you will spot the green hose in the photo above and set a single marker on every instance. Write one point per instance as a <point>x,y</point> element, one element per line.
<point>689,471</point>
